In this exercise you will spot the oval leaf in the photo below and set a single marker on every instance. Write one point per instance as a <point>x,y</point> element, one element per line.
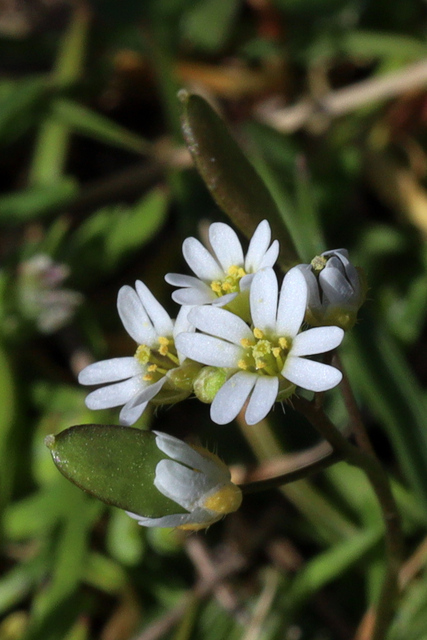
<point>115,464</point>
<point>233,182</point>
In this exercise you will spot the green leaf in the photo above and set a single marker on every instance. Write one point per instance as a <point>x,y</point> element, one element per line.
<point>115,464</point>
<point>111,234</point>
<point>80,119</point>
<point>35,202</point>
<point>332,563</point>
<point>232,180</point>
<point>22,107</point>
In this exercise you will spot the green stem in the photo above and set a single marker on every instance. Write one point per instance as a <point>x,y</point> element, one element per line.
<point>368,463</point>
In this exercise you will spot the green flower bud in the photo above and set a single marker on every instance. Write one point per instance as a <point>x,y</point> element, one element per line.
<point>209,382</point>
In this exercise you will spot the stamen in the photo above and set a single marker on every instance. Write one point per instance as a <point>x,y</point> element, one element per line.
<point>216,287</point>
<point>242,364</point>
<point>163,342</point>
<point>153,367</point>
<point>246,343</point>
<point>147,377</point>
<point>258,334</point>
<point>284,343</point>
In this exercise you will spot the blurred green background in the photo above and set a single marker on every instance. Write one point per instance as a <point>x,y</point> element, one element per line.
<point>97,190</point>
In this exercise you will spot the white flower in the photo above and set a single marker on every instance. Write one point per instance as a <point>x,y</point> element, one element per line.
<point>196,480</point>
<point>266,359</point>
<point>336,289</point>
<point>221,276</point>
<point>41,296</point>
<point>139,378</point>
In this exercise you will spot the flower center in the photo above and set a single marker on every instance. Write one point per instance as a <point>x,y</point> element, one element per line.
<point>266,356</point>
<point>230,284</point>
<point>157,362</point>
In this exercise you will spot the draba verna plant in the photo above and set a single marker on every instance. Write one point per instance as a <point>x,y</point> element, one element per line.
<point>246,339</point>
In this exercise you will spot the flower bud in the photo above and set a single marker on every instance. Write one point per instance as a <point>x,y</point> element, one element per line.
<point>196,480</point>
<point>337,290</point>
<point>209,382</point>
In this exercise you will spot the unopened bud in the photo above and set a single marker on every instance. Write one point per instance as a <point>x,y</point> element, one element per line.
<point>209,382</point>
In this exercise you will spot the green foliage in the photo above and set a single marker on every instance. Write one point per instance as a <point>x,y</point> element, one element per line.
<point>94,175</point>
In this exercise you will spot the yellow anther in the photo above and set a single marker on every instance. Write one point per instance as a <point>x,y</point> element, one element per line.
<point>152,367</point>
<point>242,364</point>
<point>143,353</point>
<point>245,343</point>
<point>147,377</point>
<point>258,333</point>
<point>227,287</point>
<point>284,343</point>
<point>276,351</point>
<point>260,364</point>
<point>216,286</point>
<point>163,342</point>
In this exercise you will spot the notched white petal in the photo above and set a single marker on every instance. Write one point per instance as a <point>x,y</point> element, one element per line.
<point>292,303</point>
<point>114,395</point>
<point>220,323</point>
<point>200,261</point>
<point>134,317</point>
<point>263,299</point>
<point>230,399</point>
<point>314,376</point>
<point>226,245</point>
<point>262,399</point>
<point>110,370</point>
<point>258,247</point>
<point>158,315</point>
<point>192,296</point>
<point>318,340</point>
<point>208,350</point>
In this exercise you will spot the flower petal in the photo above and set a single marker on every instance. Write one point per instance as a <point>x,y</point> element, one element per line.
<point>318,340</point>
<point>182,452</point>
<point>158,315</point>
<point>182,322</point>
<point>292,303</point>
<point>200,261</point>
<point>220,323</point>
<point>114,395</point>
<point>307,374</point>
<point>131,412</point>
<point>313,286</point>
<point>262,399</point>
<point>335,285</point>
<point>110,370</point>
<point>269,260</point>
<point>258,247</point>
<point>180,280</point>
<point>226,245</point>
<point>263,300</point>
<point>134,318</point>
<point>231,397</point>
<point>184,486</point>
<point>209,350</point>
<point>198,516</point>
<point>192,297</point>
